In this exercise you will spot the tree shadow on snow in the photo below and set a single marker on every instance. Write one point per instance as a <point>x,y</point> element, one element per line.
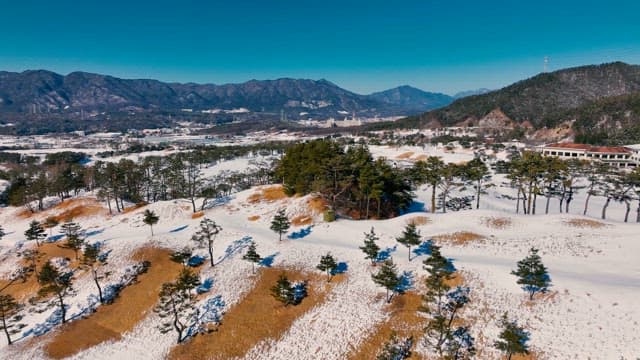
<point>300,233</point>
<point>268,261</point>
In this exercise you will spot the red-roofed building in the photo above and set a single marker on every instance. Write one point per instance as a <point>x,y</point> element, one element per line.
<point>619,156</point>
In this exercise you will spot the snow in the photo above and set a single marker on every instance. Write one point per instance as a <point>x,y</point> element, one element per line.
<point>590,312</point>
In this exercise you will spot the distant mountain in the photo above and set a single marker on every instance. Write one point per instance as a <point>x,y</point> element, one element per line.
<point>463,94</point>
<point>411,99</point>
<point>543,100</point>
<point>40,91</point>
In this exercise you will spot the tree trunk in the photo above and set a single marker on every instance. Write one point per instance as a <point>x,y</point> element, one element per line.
<point>604,208</point>
<point>638,213</point>
<point>626,214</point>
<point>409,252</point>
<point>211,254</point>
<point>478,195</point>
<point>518,201</point>
<point>546,208</point>
<point>62,308</point>
<point>433,199</point>
<point>586,204</point>
<point>6,331</point>
<point>566,209</point>
<point>95,280</point>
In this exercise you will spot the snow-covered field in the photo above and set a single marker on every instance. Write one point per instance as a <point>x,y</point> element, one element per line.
<point>590,313</point>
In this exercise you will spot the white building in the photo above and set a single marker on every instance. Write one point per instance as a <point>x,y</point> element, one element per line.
<point>618,156</point>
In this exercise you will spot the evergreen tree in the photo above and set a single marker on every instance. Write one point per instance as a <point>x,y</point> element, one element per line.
<point>31,256</point>
<point>150,218</point>
<point>181,256</point>
<point>410,237</point>
<point>50,223</point>
<point>280,223</point>
<point>387,277</point>
<point>35,232</point>
<point>10,316</point>
<point>252,256</point>
<point>328,264</point>
<point>92,260</point>
<point>460,345</point>
<point>476,171</point>
<point>52,281</point>
<point>177,305</point>
<point>75,240</point>
<point>395,348</point>
<point>206,235</point>
<point>283,290</point>
<point>532,274</point>
<point>370,247</point>
<point>513,338</point>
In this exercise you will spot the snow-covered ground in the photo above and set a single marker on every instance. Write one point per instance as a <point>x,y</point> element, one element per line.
<point>591,312</point>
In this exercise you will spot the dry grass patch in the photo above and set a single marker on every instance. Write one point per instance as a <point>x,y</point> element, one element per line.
<point>419,220</point>
<point>109,322</point>
<point>302,220</point>
<point>459,238</point>
<point>68,209</point>
<point>405,155</point>
<point>267,194</point>
<point>495,222</point>
<point>317,205</point>
<point>253,218</point>
<point>585,223</point>
<point>422,157</point>
<point>23,290</point>
<point>134,207</point>
<point>197,215</point>
<point>404,319</point>
<point>257,317</point>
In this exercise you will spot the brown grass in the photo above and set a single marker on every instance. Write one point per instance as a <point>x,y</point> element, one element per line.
<point>405,155</point>
<point>68,209</point>
<point>267,194</point>
<point>419,220</point>
<point>257,317</point>
<point>494,222</point>
<point>29,288</point>
<point>459,238</point>
<point>197,215</point>
<point>253,217</point>
<point>585,223</point>
<point>404,319</point>
<point>317,205</point>
<point>134,207</point>
<point>109,322</point>
<point>422,157</point>
<point>302,220</point>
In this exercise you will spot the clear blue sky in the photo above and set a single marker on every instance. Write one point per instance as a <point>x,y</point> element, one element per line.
<point>363,46</point>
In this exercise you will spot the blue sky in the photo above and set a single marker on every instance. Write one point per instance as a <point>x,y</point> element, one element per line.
<point>364,46</point>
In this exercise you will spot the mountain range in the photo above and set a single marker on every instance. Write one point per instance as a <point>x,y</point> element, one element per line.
<point>41,91</point>
<point>545,100</point>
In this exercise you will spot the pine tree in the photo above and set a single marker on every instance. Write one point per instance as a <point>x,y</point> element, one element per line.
<point>395,348</point>
<point>328,264</point>
<point>92,260</point>
<point>10,316</point>
<point>150,218</point>
<point>280,223</point>
<point>177,305</point>
<point>387,277</point>
<point>50,223</point>
<point>252,256</point>
<point>75,240</point>
<point>52,281</point>
<point>410,237</point>
<point>532,274</point>
<point>181,256</point>
<point>206,235</point>
<point>31,256</point>
<point>513,338</point>
<point>283,290</point>
<point>35,232</point>
<point>460,345</point>
<point>370,247</point>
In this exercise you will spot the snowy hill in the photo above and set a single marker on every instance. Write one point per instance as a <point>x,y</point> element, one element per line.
<point>590,311</point>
